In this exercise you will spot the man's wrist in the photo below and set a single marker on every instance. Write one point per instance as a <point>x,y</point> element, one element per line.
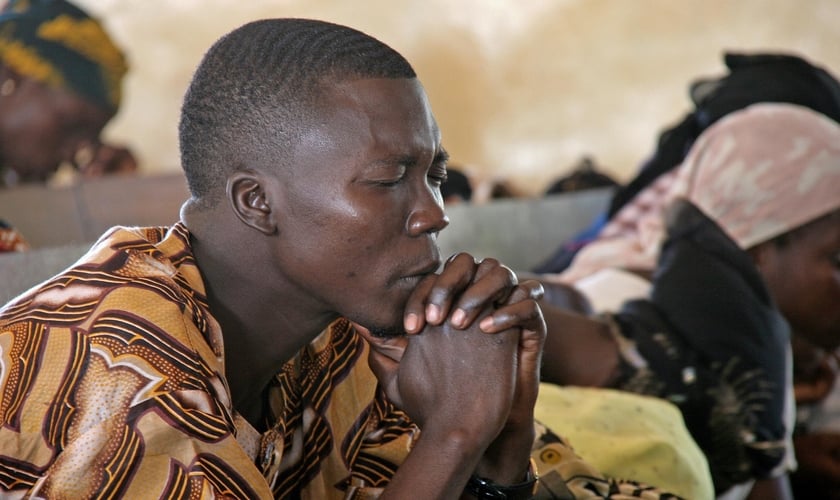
<point>502,462</point>
<point>485,489</point>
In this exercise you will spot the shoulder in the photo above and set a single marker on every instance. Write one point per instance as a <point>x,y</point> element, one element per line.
<point>125,270</point>
<point>125,302</point>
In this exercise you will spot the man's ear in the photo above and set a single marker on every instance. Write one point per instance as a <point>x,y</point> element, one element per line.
<point>247,196</point>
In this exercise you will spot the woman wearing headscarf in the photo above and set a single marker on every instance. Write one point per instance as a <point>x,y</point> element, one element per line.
<point>614,238</point>
<point>750,252</point>
<point>60,84</point>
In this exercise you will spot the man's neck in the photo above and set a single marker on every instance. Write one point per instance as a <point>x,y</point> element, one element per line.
<point>259,336</point>
<point>257,349</point>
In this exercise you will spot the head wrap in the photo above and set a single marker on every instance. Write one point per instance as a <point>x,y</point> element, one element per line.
<point>58,44</point>
<point>631,237</point>
<point>765,171</point>
<point>752,78</point>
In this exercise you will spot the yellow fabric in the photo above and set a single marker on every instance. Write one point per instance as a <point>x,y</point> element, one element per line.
<point>625,435</point>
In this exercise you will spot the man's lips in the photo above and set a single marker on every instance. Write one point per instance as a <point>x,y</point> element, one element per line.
<point>414,276</point>
<point>424,270</point>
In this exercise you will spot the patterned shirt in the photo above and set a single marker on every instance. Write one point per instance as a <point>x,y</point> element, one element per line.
<point>112,385</point>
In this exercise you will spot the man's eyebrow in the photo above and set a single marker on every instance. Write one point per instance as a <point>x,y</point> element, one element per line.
<point>406,160</point>
<point>441,156</point>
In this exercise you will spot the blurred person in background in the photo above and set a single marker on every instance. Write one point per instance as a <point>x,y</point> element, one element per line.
<point>60,84</point>
<point>585,175</point>
<point>457,188</point>
<point>751,78</point>
<point>745,256</point>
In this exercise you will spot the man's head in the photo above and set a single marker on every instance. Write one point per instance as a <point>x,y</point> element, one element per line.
<point>257,88</point>
<point>311,149</point>
<point>60,83</point>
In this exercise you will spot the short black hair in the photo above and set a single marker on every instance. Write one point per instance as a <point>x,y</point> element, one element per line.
<point>585,176</point>
<point>257,86</point>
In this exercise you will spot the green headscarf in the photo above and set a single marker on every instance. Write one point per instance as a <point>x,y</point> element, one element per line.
<point>58,44</point>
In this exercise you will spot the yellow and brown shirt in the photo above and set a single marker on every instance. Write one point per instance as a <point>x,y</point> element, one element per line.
<point>112,385</point>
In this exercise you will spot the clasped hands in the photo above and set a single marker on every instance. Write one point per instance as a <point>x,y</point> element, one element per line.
<point>469,367</point>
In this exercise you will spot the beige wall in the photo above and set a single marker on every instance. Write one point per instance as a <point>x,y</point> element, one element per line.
<point>521,88</point>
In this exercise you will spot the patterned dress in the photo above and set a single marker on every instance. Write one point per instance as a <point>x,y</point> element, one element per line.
<point>111,385</point>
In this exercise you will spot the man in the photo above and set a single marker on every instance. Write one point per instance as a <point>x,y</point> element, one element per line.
<point>227,356</point>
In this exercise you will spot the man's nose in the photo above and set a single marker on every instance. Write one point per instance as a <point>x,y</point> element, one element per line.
<point>428,216</point>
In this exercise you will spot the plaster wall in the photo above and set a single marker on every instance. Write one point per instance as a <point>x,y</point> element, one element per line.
<point>521,89</point>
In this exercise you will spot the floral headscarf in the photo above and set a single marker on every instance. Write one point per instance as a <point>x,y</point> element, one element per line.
<point>765,171</point>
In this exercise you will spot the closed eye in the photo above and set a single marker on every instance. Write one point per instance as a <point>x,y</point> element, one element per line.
<point>389,175</point>
<point>389,183</point>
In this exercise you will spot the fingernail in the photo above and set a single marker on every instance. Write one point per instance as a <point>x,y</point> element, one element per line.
<point>411,322</point>
<point>486,323</point>
<point>458,317</point>
<point>432,313</point>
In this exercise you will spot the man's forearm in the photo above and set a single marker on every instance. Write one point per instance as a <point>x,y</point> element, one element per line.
<point>438,466</point>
